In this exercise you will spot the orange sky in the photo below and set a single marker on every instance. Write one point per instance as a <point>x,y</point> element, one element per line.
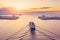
<point>27,4</point>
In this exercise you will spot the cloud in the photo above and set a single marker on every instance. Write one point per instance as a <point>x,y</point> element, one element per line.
<point>40,8</point>
<point>10,11</point>
<point>45,7</point>
<point>4,11</point>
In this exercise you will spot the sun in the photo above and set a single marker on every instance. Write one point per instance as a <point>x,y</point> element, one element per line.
<point>17,7</point>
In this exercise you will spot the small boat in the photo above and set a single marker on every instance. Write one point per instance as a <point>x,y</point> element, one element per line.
<point>43,17</point>
<point>32,26</point>
<point>13,17</point>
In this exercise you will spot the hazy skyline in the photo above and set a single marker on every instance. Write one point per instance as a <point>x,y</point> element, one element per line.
<point>22,4</point>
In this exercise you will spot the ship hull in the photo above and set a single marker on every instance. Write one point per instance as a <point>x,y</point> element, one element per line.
<point>49,18</point>
<point>8,18</point>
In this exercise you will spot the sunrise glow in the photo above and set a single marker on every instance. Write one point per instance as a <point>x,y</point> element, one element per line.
<point>18,6</point>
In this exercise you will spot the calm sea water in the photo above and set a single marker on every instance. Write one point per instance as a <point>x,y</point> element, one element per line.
<point>9,27</point>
